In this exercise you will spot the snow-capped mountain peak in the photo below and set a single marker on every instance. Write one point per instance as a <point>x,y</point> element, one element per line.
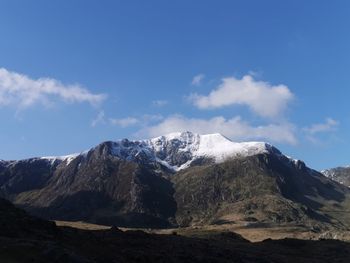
<point>176,151</point>
<point>180,149</point>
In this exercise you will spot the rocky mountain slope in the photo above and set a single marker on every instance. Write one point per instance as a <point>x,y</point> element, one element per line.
<point>264,188</point>
<point>339,174</point>
<point>176,180</point>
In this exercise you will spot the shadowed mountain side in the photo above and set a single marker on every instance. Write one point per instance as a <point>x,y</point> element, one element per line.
<point>25,175</point>
<point>103,189</point>
<point>302,184</point>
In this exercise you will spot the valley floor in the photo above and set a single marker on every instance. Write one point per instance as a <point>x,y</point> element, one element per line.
<point>253,233</point>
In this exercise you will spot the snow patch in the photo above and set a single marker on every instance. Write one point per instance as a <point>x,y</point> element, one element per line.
<point>66,158</point>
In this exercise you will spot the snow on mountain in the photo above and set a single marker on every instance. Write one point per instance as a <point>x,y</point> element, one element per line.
<point>178,150</point>
<point>328,173</point>
<point>340,174</point>
<point>65,158</point>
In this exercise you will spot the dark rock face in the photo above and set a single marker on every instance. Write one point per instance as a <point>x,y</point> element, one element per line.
<point>339,174</point>
<point>25,175</point>
<point>128,188</point>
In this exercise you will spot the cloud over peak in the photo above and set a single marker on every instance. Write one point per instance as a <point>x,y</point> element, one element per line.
<point>262,98</point>
<point>197,80</point>
<point>328,126</point>
<point>235,128</point>
<point>21,91</point>
<point>125,122</point>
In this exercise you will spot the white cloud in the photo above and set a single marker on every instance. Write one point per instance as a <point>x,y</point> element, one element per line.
<point>318,133</point>
<point>149,118</point>
<point>125,122</point>
<point>261,97</point>
<point>328,126</point>
<point>21,91</point>
<point>100,118</point>
<point>234,128</point>
<point>144,120</point>
<point>197,80</point>
<point>159,103</point>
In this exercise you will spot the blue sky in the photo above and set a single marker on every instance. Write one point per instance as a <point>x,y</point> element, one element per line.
<point>76,73</point>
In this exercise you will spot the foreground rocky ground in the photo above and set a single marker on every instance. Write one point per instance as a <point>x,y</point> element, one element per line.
<point>73,245</point>
<point>27,239</point>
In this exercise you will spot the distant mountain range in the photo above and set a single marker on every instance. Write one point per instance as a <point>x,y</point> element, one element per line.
<point>179,179</point>
<point>339,174</point>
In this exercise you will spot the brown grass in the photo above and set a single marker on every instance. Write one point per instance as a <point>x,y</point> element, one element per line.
<point>252,234</point>
<point>82,225</point>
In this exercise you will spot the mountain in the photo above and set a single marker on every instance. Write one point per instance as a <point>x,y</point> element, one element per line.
<point>339,174</point>
<point>180,179</point>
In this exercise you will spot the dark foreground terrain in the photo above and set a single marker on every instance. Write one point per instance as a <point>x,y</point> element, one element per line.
<point>27,239</point>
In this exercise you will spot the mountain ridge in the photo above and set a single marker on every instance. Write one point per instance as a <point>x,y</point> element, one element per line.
<point>187,144</point>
